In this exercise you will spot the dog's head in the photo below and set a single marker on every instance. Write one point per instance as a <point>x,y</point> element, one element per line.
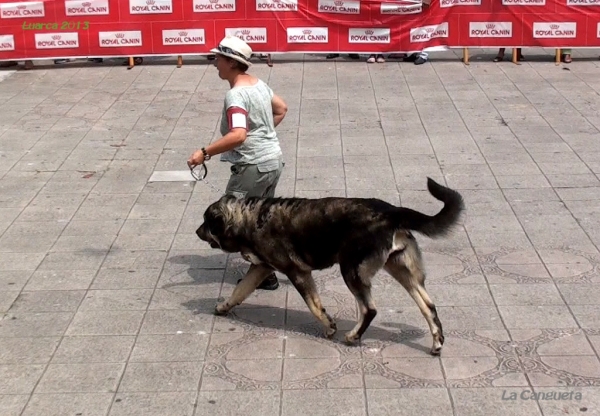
<point>216,229</point>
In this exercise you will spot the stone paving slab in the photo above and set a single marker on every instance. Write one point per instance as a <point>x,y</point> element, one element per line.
<point>106,293</point>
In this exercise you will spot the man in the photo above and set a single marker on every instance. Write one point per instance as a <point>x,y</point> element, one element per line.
<point>249,141</point>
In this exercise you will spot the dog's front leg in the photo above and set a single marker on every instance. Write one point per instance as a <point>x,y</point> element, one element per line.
<point>305,285</point>
<point>254,277</point>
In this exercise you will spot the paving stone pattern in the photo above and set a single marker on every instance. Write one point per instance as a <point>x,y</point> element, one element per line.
<point>106,294</point>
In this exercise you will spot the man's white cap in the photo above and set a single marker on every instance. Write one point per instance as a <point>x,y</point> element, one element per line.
<point>235,48</point>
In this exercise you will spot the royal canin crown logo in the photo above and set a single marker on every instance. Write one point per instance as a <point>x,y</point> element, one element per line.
<point>245,32</point>
<point>490,26</point>
<point>183,33</point>
<point>56,37</point>
<point>307,31</point>
<point>21,7</point>
<point>150,2</point>
<point>119,35</point>
<point>86,4</point>
<point>430,29</point>
<point>338,3</point>
<point>369,32</point>
<point>554,27</point>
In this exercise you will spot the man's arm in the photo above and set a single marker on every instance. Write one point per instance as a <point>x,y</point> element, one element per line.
<point>237,119</point>
<point>279,109</point>
<point>231,140</point>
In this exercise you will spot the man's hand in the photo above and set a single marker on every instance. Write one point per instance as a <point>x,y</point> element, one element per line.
<point>231,140</point>
<point>197,158</point>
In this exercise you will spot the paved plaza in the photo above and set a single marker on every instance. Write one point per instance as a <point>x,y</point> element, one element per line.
<point>107,295</point>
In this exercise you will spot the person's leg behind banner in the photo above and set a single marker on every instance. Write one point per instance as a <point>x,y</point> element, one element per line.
<point>500,56</point>
<point>418,58</point>
<point>27,65</point>
<point>376,58</point>
<point>422,57</point>
<point>336,55</point>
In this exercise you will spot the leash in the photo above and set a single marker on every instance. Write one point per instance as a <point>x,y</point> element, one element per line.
<point>196,175</point>
<point>201,175</point>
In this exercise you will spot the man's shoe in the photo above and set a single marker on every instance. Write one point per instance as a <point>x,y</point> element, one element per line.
<point>420,60</point>
<point>411,58</point>
<point>270,283</point>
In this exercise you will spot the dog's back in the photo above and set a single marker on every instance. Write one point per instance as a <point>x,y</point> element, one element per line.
<point>318,230</point>
<point>340,212</point>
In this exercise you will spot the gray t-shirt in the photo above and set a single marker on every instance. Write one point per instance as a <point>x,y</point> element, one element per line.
<point>261,144</point>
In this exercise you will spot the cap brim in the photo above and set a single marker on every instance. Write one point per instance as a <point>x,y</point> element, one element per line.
<point>237,58</point>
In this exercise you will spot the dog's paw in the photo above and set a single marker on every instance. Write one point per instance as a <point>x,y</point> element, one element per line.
<point>436,351</point>
<point>352,338</point>
<point>221,309</point>
<point>330,332</point>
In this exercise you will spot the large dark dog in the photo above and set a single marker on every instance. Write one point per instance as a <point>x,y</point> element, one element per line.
<point>295,236</point>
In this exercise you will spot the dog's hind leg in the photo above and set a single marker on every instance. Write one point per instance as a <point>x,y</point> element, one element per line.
<point>358,280</point>
<point>305,285</point>
<point>406,267</point>
<point>254,277</point>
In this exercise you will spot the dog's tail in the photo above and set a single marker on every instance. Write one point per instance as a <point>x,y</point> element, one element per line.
<point>439,224</point>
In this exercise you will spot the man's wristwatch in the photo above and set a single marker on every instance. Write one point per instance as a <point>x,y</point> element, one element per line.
<point>205,153</point>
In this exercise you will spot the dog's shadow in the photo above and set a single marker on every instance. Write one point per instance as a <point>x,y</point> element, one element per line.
<point>304,323</point>
<point>211,269</point>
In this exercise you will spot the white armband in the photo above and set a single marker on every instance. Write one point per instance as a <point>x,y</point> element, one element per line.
<point>238,120</point>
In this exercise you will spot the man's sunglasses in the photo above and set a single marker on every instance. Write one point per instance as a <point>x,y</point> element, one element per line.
<point>225,49</point>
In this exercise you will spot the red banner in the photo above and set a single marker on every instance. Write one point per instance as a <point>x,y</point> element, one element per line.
<point>117,28</point>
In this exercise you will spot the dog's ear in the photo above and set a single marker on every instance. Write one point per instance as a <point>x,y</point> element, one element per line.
<point>227,198</point>
<point>215,218</point>
<point>217,224</point>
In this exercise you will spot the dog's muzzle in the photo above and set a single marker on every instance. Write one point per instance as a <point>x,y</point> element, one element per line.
<point>202,234</point>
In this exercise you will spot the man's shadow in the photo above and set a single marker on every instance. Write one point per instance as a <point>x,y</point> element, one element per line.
<point>199,269</point>
<point>199,275</point>
<point>212,268</point>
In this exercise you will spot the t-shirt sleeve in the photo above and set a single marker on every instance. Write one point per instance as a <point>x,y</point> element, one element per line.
<point>236,111</point>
